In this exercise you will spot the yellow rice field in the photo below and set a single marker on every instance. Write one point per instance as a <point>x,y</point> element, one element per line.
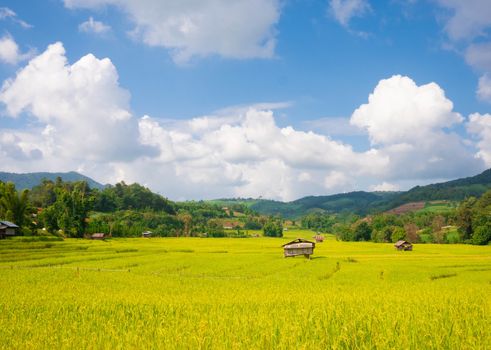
<point>203,293</point>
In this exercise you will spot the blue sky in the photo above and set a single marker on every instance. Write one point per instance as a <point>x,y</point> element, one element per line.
<point>206,99</point>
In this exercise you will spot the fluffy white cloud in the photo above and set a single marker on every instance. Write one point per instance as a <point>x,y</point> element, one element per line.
<point>84,111</point>
<point>484,88</point>
<point>399,111</point>
<point>407,122</point>
<point>468,19</point>
<point>480,126</point>
<point>251,156</point>
<point>92,26</point>
<point>235,29</point>
<point>6,13</point>
<point>345,10</point>
<point>77,117</point>
<point>9,51</point>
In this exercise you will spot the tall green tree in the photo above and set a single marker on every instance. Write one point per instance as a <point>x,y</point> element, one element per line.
<point>273,228</point>
<point>15,206</point>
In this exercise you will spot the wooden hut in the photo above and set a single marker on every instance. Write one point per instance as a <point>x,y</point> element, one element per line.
<point>319,238</point>
<point>299,247</point>
<point>147,234</point>
<point>7,229</point>
<point>403,245</point>
<point>98,236</point>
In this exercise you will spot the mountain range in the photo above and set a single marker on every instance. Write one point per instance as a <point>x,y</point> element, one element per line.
<point>363,203</point>
<point>359,202</point>
<point>29,180</point>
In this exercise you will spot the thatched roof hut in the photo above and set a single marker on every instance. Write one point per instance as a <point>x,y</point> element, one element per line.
<point>403,245</point>
<point>299,246</point>
<point>7,228</point>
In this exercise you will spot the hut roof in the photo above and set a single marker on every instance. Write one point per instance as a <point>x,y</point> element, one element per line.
<point>8,224</point>
<point>98,235</point>
<point>298,240</point>
<point>401,243</point>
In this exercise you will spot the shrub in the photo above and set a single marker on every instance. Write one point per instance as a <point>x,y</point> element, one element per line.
<point>273,229</point>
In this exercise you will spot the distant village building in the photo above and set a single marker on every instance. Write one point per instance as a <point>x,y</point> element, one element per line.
<point>299,247</point>
<point>403,245</point>
<point>147,234</point>
<point>98,236</point>
<point>319,238</point>
<point>7,229</point>
<point>230,225</point>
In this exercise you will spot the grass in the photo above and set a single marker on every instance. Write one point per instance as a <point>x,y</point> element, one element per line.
<point>242,294</point>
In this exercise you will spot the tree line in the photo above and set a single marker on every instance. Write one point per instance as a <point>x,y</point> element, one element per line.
<point>469,222</point>
<point>73,209</point>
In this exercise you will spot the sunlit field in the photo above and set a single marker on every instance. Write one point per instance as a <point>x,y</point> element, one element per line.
<point>199,293</point>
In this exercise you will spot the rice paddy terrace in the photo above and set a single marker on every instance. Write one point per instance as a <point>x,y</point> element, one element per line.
<point>198,293</point>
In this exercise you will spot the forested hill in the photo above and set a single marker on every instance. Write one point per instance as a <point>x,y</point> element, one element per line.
<point>30,180</point>
<point>353,202</point>
<point>360,202</point>
<point>363,203</point>
<point>454,190</point>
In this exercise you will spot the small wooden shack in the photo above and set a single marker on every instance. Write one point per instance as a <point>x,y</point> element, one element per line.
<point>403,245</point>
<point>7,229</point>
<point>147,234</point>
<point>98,236</point>
<point>318,238</point>
<point>299,247</point>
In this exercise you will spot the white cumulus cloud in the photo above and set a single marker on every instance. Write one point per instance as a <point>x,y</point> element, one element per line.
<point>84,110</point>
<point>410,124</point>
<point>76,116</point>
<point>234,29</point>
<point>400,111</point>
<point>251,156</point>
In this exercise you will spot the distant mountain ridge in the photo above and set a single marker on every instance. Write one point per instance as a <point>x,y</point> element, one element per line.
<point>363,203</point>
<point>29,180</point>
<point>359,202</point>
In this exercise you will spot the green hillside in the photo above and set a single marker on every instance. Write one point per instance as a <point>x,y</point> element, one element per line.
<point>356,202</point>
<point>29,180</point>
<point>451,190</point>
<point>363,203</point>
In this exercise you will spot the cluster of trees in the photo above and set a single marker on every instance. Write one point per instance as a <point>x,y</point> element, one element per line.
<point>74,209</point>
<point>273,228</point>
<point>15,206</point>
<point>474,219</point>
<point>469,223</point>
